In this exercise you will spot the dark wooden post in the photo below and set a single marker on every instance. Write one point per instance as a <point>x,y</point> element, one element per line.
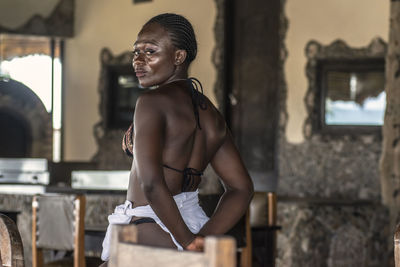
<point>390,159</point>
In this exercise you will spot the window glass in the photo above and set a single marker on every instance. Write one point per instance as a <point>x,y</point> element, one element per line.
<point>36,62</point>
<point>355,98</point>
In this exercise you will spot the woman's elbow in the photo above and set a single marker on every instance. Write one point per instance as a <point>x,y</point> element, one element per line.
<point>246,189</point>
<point>250,190</point>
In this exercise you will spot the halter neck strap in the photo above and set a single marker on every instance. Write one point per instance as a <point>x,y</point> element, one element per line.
<point>198,99</point>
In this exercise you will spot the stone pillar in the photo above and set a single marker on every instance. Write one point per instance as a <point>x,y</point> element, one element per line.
<point>390,158</point>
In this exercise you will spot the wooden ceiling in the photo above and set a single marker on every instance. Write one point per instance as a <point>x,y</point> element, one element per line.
<point>22,45</point>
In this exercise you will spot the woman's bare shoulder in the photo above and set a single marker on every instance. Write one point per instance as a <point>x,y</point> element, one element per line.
<point>151,98</point>
<point>215,121</point>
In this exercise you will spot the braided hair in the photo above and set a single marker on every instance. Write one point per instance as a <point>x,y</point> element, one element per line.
<point>180,31</point>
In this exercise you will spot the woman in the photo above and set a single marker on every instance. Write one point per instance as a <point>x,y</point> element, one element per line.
<point>178,132</point>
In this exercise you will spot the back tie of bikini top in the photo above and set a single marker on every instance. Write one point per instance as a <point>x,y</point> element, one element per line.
<point>191,178</point>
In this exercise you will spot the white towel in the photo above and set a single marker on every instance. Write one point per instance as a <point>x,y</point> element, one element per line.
<point>188,205</point>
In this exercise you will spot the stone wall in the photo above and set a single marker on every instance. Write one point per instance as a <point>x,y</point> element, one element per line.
<point>321,234</point>
<point>341,168</point>
<point>390,160</point>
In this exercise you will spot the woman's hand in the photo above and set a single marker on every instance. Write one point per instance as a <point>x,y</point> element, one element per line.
<point>196,245</point>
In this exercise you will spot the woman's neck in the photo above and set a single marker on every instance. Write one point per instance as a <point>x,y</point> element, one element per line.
<point>179,75</point>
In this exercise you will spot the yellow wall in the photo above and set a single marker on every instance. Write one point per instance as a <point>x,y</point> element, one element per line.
<point>115,24</point>
<point>356,22</point>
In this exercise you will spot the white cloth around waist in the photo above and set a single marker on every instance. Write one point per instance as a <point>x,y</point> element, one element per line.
<point>187,203</point>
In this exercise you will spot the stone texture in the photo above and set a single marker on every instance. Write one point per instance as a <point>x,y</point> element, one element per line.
<point>98,207</point>
<point>345,167</point>
<point>332,234</point>
<point>390,160</point>
<point>218,57</point>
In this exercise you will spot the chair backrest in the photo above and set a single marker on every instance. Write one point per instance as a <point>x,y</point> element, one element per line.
<point>11,248</point>
<point>219,251</point>
<point>263,222</point>
<point>58,224</point>
<point>397,246</point>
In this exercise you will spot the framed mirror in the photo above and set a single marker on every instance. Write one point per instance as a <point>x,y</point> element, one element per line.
<point>119,89</point>
<point>346,88</point>
<point>353,92</point>
<point>122,93</point>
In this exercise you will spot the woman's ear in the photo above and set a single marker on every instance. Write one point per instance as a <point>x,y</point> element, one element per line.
<point>180,56</point>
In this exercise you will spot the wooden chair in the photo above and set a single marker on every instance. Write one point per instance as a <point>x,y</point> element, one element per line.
<point>219,251</point>
<point>11,248</point>
<point>246,259</point>
<point>397,246</point>
<point>263,222</point>
<point>58,224</point>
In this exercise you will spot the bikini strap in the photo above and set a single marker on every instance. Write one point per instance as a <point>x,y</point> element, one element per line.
<point>188,182</point>
<point>171,168</point>
<point>186,171</point>
<point>198,99</point>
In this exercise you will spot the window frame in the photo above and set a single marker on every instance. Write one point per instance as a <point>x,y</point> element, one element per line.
<point>347,65</point>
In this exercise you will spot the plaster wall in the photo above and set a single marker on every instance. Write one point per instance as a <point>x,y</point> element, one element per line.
<point>356,22</point>
<point>115,24</point>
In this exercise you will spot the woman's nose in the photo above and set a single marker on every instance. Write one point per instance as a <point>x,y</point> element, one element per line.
<point>137,62</point>
<point>138,57</point>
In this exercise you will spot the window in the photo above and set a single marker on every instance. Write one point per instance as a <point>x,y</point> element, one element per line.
<point>37,62</point>
<point>352,94</point>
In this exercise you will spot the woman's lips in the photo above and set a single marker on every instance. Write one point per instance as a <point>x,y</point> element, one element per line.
<point>140,74</point>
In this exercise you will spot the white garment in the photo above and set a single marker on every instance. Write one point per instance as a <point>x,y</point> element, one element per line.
<point>188,205</point>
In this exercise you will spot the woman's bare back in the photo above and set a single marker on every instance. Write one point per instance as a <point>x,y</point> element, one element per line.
<point>187,143</point>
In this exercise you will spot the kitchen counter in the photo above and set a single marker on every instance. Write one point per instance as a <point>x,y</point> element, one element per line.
<point>69,190</point>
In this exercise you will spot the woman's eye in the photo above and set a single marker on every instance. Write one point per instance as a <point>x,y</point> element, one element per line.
<point>135,53</point>
<point>149,51</point>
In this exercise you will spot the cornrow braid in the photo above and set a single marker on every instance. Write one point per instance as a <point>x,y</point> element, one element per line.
<point>181,32</point>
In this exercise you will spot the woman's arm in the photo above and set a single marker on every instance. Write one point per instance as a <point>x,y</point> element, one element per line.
<point>149,125</point>
<point>238,185</point>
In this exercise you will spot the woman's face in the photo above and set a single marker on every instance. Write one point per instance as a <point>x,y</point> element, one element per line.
<point>154,56</point>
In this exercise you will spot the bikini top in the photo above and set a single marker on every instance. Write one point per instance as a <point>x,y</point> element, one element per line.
<point>191,177</point>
